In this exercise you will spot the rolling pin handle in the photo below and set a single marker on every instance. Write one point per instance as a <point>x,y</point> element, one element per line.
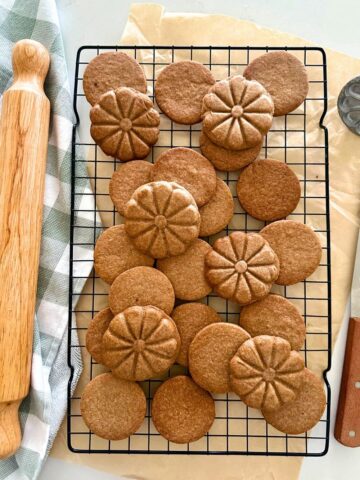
<point>10,433</point>
<point>31,63</point>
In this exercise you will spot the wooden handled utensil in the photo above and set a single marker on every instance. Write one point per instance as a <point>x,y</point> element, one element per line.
<point>24,126</point>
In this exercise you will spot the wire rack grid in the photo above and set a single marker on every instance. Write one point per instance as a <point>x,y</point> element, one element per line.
<point>299,139</point>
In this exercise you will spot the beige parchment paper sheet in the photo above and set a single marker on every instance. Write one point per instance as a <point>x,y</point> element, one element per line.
<point>148,24</point>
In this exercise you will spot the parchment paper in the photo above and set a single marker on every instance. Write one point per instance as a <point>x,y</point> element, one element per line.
<point>148,25</point>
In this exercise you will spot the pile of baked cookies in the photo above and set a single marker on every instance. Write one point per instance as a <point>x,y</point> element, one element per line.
<point>159,270</point>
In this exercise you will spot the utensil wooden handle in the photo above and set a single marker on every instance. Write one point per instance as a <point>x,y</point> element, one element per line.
<point>24,128</point>
<point>347,427</point>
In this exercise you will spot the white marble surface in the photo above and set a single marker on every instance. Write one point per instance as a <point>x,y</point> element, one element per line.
<point>330,23</point>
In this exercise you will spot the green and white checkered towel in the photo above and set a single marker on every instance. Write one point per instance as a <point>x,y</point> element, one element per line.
<point>42,411</point>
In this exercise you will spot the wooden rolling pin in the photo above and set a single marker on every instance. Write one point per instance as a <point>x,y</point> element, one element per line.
<point>24,126</point>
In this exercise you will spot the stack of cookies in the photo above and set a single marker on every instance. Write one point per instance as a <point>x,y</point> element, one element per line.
<point>159,271</point>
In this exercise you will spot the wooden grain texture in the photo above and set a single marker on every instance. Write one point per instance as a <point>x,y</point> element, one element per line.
<point>347,427</point>
<point>23,147</point>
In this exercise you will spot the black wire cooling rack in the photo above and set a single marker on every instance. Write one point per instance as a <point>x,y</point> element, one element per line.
<point>299,139</point>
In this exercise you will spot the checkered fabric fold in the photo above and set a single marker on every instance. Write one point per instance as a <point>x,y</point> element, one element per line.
<point>42,411</point>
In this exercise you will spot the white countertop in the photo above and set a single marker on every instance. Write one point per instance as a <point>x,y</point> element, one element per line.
<point>330,23</point>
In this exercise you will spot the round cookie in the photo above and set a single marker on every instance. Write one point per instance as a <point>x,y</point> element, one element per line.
<point>274,315</point>
<point>162,219</point>
<point>190,170</point>
<point>126,179</point>
<point>224,159</point>
<point>114,253</point>
<point>266,373</point>
<point>210,353</point>
<point>180,89</point>
<point>186,271</point>
<point>297,247</point>
<point>241,267</point>
<point>124,124</point>
<point>113,408</point>
<point>237,113</point>
<point>268,190</point>
<point>109,71</point>
<point>182,412</point>
<point>303,413</point>
<point>283,76</point>
<point>141,286</point>
<point>218,212</point>
<point>140,343</point>
<point>96,329</point>
<point>190,318</point>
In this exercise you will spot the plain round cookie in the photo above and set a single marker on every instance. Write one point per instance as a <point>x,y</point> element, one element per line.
<point>114,253</point>
<point>189,169</point>
<point>297,247</point>
<point>210,353</point>
<point>274,315</point>
<point>190,318</point>
<point>109,71</point>
<point>268,190</point>
<point>140,343</point>
<point>180,89</point>
<point>224,159</point>
<point>126,179</point>
<point>182,412</point>
<point>303,413</point>
<point>283,76</point>
<point>95,332</point>
<point>113,408</point>
<point>218,212</point>
<point>186,271</point>
<point>265,373</point>
<point>141,286</point>
<point>162,219</point>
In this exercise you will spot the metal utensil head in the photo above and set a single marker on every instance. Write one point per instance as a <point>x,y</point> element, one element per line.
<point>349,105</point>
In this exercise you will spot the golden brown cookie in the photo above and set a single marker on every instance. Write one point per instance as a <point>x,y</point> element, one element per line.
<point>109,71</point>
<point>186,271</point>
<point>266,373</point>
<point>241,267</point>
<point>140,343</point>
<point>268,190</point>
<point>218,212</point>
<point>141,286</point>
<point>297,247</point>
<point>190,318</point>
<point>224,159</point>
<point>162,219</point>
<point>114,253</point>
<point>182,412</point>
<point>124,124</point>
<point>274,315</point>
<point>210,353</point>
<point>189,169</point>
<point>180,89</point>
<point>303,413</point>
<point>237,113</point>
<point>96,329</point>
<point>283,76</point>
<point>126,179</point>
<point>113,408</point>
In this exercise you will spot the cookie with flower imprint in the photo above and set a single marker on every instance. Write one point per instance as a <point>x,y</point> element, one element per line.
<point>140,343</point>
<point>241,267</point>
<point>266,373</point>
<point>162,219</point>
<point>125,124</point>
<point>237,113</point>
